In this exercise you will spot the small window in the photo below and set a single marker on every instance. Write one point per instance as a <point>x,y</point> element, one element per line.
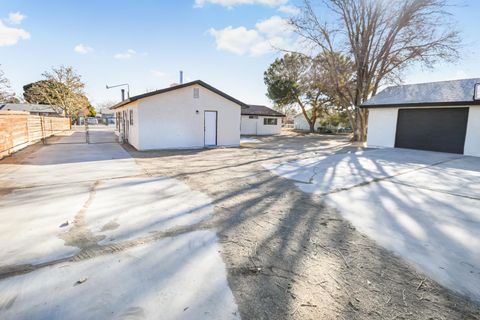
<point>270,121</point>
<point>196,93</point>
<point>131,117</point>
<point>252,117</point>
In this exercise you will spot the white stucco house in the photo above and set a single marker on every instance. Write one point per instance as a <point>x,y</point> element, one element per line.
<point>300,123</point>
<point>189,115</point>
<point>260,120</point>
<point>437,116</point>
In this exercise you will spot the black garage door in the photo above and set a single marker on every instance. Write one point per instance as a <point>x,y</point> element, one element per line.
<point>432,129</point>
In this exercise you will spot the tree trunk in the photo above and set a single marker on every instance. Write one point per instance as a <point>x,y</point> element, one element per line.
<point>360,129</point>
<point>312,126</point>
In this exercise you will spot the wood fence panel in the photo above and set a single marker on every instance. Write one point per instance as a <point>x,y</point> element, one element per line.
<point>20,129</point>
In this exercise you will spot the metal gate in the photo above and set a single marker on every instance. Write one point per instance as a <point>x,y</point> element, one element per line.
<point>85,134</point>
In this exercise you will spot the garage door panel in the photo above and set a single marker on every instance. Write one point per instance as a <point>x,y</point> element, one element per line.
<point>440,129</point>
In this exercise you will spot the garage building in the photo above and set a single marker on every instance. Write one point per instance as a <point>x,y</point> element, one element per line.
<point>189,115</point>
<point>261,120</point>
<point>300,123</point>
<point>437,116</point>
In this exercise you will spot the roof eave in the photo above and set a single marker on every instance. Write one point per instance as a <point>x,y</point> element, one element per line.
<point>421,104</point>
<point>263,115</point>
<point>180,86</point>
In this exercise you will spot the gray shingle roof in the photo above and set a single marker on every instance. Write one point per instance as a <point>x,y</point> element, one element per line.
<point>176,87</point>
<point>454,92</point>
<point>257,110</point>
<point>28,107</point>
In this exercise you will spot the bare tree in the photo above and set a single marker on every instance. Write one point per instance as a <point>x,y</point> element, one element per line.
<point>6,95</point>
<point>381,38</point>
<point>62,88</point>
<point>104,107</point>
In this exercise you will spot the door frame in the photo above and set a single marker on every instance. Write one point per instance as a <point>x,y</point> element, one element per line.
<point>205,127</point>
<point>126,124</point>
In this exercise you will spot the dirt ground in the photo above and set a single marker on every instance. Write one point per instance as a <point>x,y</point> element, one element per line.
<point>289,256</point>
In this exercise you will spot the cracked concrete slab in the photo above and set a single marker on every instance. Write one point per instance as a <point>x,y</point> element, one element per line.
<point>175,278</point>
<point>59,164</point>
<point>421,205</point>
<point>139,206</point>
<point>75,211</point>
<point>31,220</point>
<point>345,170</point>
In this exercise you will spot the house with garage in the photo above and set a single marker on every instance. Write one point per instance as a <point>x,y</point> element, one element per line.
<point>189,115</point>
<point>260,120</point>
<point>437,116</point>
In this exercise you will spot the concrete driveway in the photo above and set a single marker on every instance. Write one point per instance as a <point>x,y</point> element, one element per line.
<point>424,206</point>
<point>86,234</point>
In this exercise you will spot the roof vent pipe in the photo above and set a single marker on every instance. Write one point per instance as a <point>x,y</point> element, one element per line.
<point>181,77</point>
<point>123,90</point>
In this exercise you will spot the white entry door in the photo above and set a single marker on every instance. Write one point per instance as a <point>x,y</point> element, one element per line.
<point>210,128</point>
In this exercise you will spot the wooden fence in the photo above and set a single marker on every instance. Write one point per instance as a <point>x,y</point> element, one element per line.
<point>20,129</point>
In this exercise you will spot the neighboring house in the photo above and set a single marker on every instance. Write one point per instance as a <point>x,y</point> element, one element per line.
<point>190,115</point>
<point>300,123</point>
<point>34,109</point>
<point>437,116</point>
<point>106,117</point>
<point>260,120</point>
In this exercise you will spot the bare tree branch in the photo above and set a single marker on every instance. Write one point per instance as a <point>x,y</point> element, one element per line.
<point>381,39</point>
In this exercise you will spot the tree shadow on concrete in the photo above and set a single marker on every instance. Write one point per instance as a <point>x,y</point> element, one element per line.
<point>289,254</point>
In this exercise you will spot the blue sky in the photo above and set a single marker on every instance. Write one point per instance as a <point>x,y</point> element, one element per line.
<point>226,43</point>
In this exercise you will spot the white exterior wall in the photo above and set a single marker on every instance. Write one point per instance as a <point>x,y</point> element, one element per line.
<point>169,120</point>
<point>256,126</point>
<point>472,141</point>
<point>382,126</point>
<point>300,123</point>
<point>133,130</point>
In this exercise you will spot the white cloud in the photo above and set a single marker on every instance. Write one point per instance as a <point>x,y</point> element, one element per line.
<point>10,36</point>
<point>16,17</point>
<point>291,10</point>
<point>82,49</point>
<point>237,40</point>
<point>274,26</point>
<point>268,35</point>
<point>157,73</point>
<point>232,3</point>
<point>125,55</point>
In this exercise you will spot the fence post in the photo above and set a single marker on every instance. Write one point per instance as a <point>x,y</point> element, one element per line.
<point>42,129</point>
<point>87,137</point>
<point>28,131</point>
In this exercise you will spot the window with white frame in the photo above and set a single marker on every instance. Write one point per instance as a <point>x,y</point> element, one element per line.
<point>196,93</point>
<point>131,117</point>
<point>270,121</point>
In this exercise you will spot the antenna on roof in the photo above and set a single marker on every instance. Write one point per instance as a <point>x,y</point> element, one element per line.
<point>123,90</point>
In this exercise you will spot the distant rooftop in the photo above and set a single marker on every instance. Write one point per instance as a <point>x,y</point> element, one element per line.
<point>257,110</point>
<point>27,107</point>
<point>453,92</point>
